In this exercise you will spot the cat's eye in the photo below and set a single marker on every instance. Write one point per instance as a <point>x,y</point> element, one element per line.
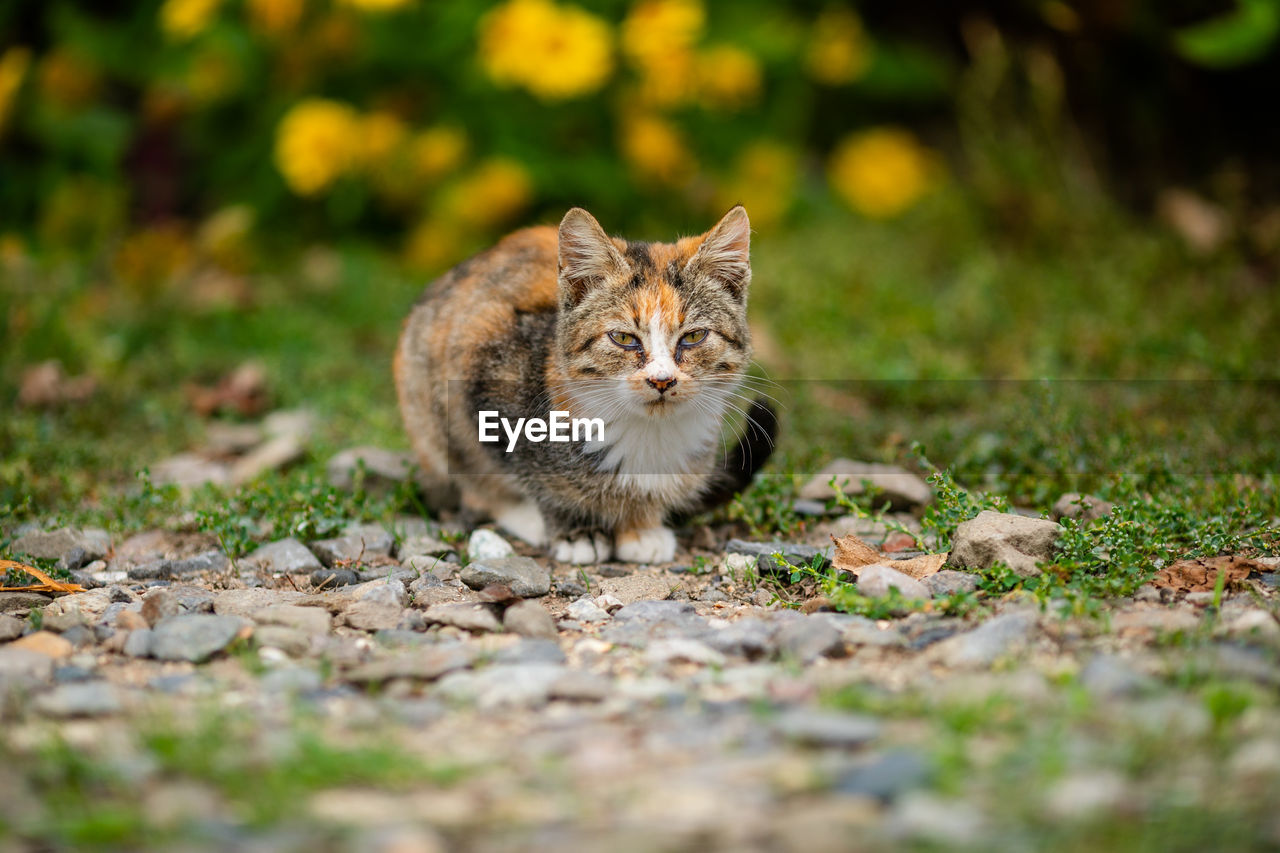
<point>626,340</point>
<point>691,339</point>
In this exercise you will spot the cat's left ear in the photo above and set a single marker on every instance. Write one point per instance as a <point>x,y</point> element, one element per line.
<point>725,253</point>
<point>587,256</point>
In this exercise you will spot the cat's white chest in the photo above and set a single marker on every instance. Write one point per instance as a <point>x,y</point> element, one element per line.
<point>656,455</point>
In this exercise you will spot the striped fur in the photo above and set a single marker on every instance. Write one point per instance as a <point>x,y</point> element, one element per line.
<point>650,337</point>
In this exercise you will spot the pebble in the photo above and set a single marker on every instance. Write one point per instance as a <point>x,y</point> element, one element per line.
<point>46,643</point>
<point>54,544</point>
<point>287,556</point>
<point>749,638</point>
<point>291,641</point>
<point>506,686</point>
<point>950,582</point>
<point>586,610</point>
<point>926,817</point>
<point>636,587</point>
<point>468,617</point>
<point>885,776</point>
<point>522,575</point>
<point>357,542</point>
<point>138,643</point>
<point>768,565</point>
<point>876,580</point>
<point>22,668</point>
<point>826,728</point>
<point>683,650</point>
<point>996,537</point>
<point>892,483</point>
<point>531,650</point>
<point>81,699</point>
<point>194,637</point>
<point>426,665</point>
<point>1109,677</point>
<point>159,604</point>
<point>330,578</point>
<point>1080,507</point>
<point>529,619</point>
<point>983,646</point>
<point>383,470</point>
<point>486,545</point>
<point>423,546</point>
<point>11,602</point>
<point>11,627</point>
<point>309,620</point>
<point>808,638</point>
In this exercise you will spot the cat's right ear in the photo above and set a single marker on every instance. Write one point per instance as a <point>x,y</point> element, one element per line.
<point>587,256</point>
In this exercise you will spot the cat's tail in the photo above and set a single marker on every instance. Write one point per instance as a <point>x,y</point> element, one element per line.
<point>736,470</point>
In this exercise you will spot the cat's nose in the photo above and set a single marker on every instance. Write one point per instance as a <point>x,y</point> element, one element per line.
<point>662,383</point>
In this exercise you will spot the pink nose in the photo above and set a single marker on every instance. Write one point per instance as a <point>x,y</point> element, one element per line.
<point>662,383</point>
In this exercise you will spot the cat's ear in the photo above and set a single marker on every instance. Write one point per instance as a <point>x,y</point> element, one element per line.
<point>725,253</point>
<point>587,255</point>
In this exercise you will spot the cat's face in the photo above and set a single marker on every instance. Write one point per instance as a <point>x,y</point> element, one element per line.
<point>652,329</point>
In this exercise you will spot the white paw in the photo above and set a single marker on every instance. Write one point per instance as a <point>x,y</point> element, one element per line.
<point>655,545</point>
<point>583,550</point>
<point>524,521</point>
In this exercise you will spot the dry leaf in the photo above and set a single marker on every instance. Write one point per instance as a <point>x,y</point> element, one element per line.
<point>45,386</point>
<point>1201,575</point>
<point>920,567</point>
<point>47,584</point>
<point>243,391</point>
<point>852,554</point>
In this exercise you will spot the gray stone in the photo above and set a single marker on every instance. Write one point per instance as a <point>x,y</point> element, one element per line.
<point>949,582</point>
<point>195,599</point>
<point>876,580</point>
<point>245,602</point>
<point>983,646</point>
<point>209,561</point>
<point>423,546</point>
<point>586,610</point>
<point>54,544</point>
<point>82,699</point>
<point>826,728</point>
<point>11,627</point>
<point>1081,507</point>
<point>570,588</point>
<point>426,665</point>
<point>195,637</point>
<point>655,611</point>
<point>80,636</point>
<point>357,542</point>
<point>373,614</point>
<point>504,685</point>
<point>291,679</point>
<point>578,686</point>
<point>272,455</point>
<point>750,638</point>
<point>309,620</point>
<point>468,617</point>
<point>768,565</point>
<point>138,643</point>
<point>529,619</point>
<point>683,649</point>
<point>486,545</point>
<point>996,537</point>
<point>522,575</point>
<point>331,578</point>
<point>384,470</point>
<point>886,776</point>
<point>159,604</point>
<point>62,621</point>
<point>1110,677</point>
<point>901,488</point>
<point>531,650</point>
<point>926,817</point>
<point>288,556</point>
<point>21,669</point>
<point>11,602</point>
<point>637,587</point>
<point>808,638</point>
<point>291,641</point>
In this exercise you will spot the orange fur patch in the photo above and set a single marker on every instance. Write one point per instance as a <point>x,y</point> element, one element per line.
<point>660,299</point>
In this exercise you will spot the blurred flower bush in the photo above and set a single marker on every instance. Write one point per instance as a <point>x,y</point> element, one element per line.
<point>430,125</point>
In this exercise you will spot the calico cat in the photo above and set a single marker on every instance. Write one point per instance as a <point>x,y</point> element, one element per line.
<point>649,338</point>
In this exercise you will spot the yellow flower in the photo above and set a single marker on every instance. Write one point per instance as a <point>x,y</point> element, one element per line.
<point>317,141</point>
<point>66,79</point>
<point>433,245</point>
<point>376,5</point>
<point>554,51</point>
<point>655,150</point>
<point>496,191</point>
<point>275,17</point>
<point>669,81</point>
<point>839,51</point>
<point>763,180</point>
<point>728,77</point>
<point>437,151</point>
<point>13,68</point>
<point>185,19</point>
<point>655,29</point>
<point>380,135</point>
<point>882,172</point>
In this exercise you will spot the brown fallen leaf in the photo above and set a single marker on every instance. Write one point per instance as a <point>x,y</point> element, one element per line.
<point>45,386</point>
<point>852,554</point>
<point>47,584</point>
<point>243,391</point>
<point>1201,574</point>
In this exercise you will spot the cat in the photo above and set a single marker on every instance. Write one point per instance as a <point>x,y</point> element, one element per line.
<point>649,339</point>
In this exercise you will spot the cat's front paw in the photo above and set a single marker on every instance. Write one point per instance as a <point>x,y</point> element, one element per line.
<point>582,550</point>
<point>654,545</point>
